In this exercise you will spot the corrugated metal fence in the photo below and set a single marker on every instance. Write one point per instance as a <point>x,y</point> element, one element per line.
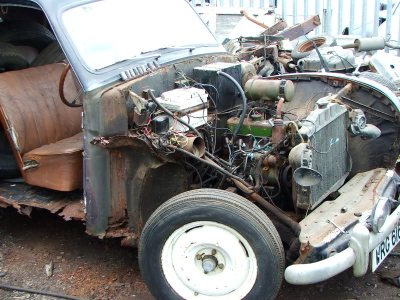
<point>359,17</point>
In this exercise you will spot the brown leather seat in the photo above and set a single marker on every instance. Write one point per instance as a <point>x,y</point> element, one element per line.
<point>44,132</point>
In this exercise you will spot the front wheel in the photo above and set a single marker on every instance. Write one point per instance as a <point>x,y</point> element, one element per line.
<point>211,244</point>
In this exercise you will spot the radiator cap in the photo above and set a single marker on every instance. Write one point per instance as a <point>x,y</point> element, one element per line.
<point>307,177</point>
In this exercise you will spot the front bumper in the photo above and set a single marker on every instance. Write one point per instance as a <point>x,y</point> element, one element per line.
<point>356,255</point>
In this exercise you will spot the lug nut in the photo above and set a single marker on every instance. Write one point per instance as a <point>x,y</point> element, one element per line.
<point>221,266</point>
<point>213,251</point>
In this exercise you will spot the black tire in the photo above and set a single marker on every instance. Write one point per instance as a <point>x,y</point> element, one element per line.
<point>304,48</point>
<point>11,58</point>
<point>196,210</point>
<point>26,33</point>
<point>49,55</point>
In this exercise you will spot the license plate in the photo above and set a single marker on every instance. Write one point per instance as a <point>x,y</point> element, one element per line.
<point>383,249</point>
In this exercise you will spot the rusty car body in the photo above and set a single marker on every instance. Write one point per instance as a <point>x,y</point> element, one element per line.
<point>222,168</point>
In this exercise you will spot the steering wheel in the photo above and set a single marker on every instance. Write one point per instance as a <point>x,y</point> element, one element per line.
<point>74,102</point>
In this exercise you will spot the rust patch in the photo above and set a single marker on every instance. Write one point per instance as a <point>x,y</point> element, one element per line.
<point>305,250</point>
<point>73,211</point>
<point>128,239</point>
<point>358,196</point>
<point>23,198</point>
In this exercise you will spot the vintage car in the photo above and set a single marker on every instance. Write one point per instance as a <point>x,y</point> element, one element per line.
<point>137,122</point>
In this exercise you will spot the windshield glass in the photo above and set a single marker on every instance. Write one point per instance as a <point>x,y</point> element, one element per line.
<point>109,31</point>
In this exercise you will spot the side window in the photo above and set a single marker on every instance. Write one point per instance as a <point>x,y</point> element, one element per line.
<point>26,39</point>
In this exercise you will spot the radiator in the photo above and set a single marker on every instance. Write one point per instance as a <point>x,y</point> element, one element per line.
<point>326,128</point>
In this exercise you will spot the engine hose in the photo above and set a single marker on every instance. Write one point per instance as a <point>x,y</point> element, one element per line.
<point>168,112</point>
<point>244,99</point>
<point>37,292</point>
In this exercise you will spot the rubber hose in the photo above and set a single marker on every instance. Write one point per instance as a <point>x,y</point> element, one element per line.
<point>244,99</point>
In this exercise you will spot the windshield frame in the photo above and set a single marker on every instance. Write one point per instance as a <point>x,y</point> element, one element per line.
<point>84,62</point>
<point>92,79</point>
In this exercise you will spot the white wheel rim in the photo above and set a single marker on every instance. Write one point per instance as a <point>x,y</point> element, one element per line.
<point>204,245</point>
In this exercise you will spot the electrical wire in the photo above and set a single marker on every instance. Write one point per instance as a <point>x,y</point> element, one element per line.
<point>196,171</point>
<point>37,292</point>
<point>244,102</point>
<point>213,165</point>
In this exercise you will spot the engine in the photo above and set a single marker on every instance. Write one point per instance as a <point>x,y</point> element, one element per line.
<point>244,138</point>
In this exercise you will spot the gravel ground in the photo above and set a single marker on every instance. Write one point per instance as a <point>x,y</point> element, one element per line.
<point>90,268</point>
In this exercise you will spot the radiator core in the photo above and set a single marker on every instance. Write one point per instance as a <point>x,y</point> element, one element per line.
<point>326,128</point>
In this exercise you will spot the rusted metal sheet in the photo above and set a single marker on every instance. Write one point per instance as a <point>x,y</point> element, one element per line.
<point>24,197</point>
<point>333,218</point>
<point>122,170</point>
<point>119,191</point>
<point>73,211</point>
<point>301,29</point>
<point>276,28</point>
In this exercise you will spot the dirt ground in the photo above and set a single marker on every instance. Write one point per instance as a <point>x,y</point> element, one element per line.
<point>90,268</point>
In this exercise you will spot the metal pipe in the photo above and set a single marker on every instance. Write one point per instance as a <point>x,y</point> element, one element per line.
<point>195,145</point>
<point>279,108</point>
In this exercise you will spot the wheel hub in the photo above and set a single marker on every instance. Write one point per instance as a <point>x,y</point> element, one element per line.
<point>209,263</point>
<point>208,259</point>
